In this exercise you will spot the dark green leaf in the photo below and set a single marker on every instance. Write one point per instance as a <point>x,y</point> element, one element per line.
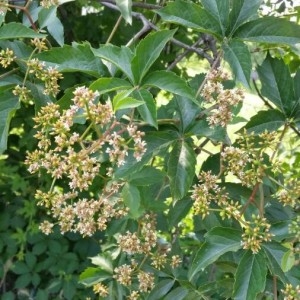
<point>177,294</point>
<point>161,289</point>
<point>125,9</point>
<point>146,176</point>
<point>181,169</point>
<point>22,281</point>
<point>236,53</point>
<point>169,81</point>
<point>219,9</point>
<point>148,51</point>
<point>104,85</point>
<point>148,110</point>
<point>277,83</point>
<point>17,30</point>
<point>250,277</point>
<point>120,57</point>
<point>190,15</point>
<point>132,199</point>
<point>269,30</point>
<point>178,211</point>
<point>270,120</point>
<point>30,260</point>
<point>219,240</point>
<point>20,268</point>
<point>73,59</point>
<point>241,12</point>
<point>8,106</point>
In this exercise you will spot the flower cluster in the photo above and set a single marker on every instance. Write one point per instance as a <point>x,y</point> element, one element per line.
<point>67,154</point>
<point>49,75</point>
<point>6,57</point>
<point>290,193</point>
<point>49,3</point>
<point>256,232</point>
<point>222,99</point>
<point>290,292</point>
<point>294,228</point>
<point>22,92</point>
<point>100,289</point>
<point>39,44</point>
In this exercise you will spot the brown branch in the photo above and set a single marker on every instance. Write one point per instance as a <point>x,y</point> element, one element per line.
<point>251,198</point>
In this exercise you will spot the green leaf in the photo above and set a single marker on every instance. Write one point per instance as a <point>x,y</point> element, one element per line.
<point>77,58</point>
<point>22,281</point>
<point>148,51</point>
<point>219,9</point>
<point>161,289</point>
<point>181,169</point>
<point>132,199</point>
<point>178,211</point>
<point>121,101</point>
<point>241,12</point>
<point>125,9</point>
<point>102,262</point>
<point>219,240</point>
<point>288,261</point>
<point>91,276</point>
<point>236,53</point>
<point>277,83</point>
<point>270,30</point>
<point>108,84</point>
<point>250,277</point>
<point>178,293</point>
<point>120,57</point>
<point>190,15</point>
<point>8,106</point>
<point>270,120</point>
<point>14,30</point>
<point>146,176</point>
<point>148,109</point>
<point>170,82</point>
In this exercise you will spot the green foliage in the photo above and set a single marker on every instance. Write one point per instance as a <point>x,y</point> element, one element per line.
<point>126,173</point>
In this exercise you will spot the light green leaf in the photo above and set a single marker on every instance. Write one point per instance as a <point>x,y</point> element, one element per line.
<point>236,53</point>
<point>241,12</point>
<point>78,58</point>
<point>250,277</point>
<point>108,84</point>
<point>148,110</point>
<point>170,82</point>
<point>147,52</point>
<point>271,30</point>
<point>181,169</point>
<point>277,83</point>
<point>8,106</point>
<point>14,30</point>
<point>190,15</point>
<point>288,260</point>
<point>56,30</point>
<point>274,252</point>
<point>219,9</point>
<point>46,16</point>
<point>123,101</point>
<point>219,240</point>
<point>120,57</point>
<point>91,276</point>
<point>125,9</point>
<point>270,120</point>
<point>132,199</point>
<point>102,262</point>
<point>161,289</point>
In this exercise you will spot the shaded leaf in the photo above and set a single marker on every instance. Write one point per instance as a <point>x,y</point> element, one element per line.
<point>132,199</point>
<point>120,57</point>
<point>270,120</point>
<point>161,289</point>
<point>14,30</point>
<point>277,83</point>
<point>181,169</point>
<point>190,15</point>
<point>169,81</point>
<point>236,53</point>
<point>147,176</point>
<point>125,9</point>
<point>269,30</point>
<point>8,106</point>
<point>250,277</point>
<point>241,12</point>
<point>219,240</point>
<point>108,84</point>
<point>147,52</point>
<point>219,9</point>
<point>178,211</point>
<point>178,293</point>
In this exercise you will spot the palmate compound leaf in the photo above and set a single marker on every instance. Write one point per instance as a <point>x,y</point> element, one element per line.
<point>250,277</point>
<point>218,241</point>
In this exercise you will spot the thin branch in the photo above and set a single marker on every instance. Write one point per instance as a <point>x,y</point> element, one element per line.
<point>114,30</point>
<point>135,4</point>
